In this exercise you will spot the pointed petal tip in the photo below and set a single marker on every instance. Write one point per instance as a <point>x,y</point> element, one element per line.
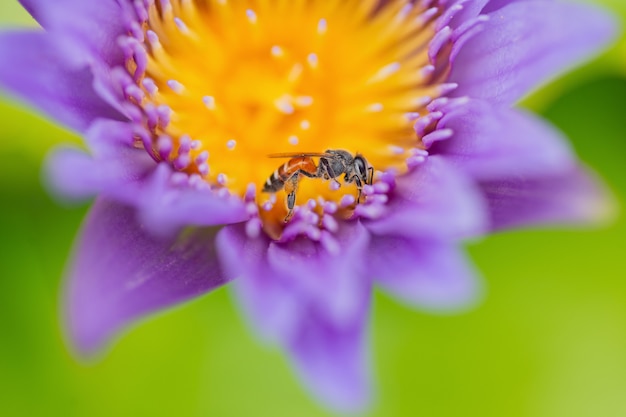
<point>346,393</point>
<point>601,208</point>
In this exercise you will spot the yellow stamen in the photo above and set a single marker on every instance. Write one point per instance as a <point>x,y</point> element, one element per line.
<point>247,79</point>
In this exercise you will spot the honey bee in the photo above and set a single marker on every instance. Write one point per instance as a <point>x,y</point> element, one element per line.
<point>332,164</point>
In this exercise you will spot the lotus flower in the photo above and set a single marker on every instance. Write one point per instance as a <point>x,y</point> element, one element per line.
<point>183,103</point>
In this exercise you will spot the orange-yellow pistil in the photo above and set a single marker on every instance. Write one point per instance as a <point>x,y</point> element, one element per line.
<point>226,83</point>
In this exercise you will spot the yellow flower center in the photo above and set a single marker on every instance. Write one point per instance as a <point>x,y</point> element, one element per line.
<point>228,83</point>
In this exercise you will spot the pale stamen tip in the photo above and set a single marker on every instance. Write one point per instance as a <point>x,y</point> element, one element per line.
<point>209,102</point>
<point>375,107</point>
<point>277,51</point>
<point>251,15</point>
<point>347,200</point>
<point>175,86</point>
<point>322,26</point>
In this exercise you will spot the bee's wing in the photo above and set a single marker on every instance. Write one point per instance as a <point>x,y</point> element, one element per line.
<point>297,154</point>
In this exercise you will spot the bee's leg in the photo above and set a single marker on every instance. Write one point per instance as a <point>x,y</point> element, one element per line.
<point>370,176</point>
<point>359,187</point>
<point>325,171</point>
<point>291,186</point>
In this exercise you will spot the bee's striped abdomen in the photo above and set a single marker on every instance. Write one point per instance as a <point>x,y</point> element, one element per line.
<point>300,165</point>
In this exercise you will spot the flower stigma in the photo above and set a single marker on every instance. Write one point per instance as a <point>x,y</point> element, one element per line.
<point>218,86</point>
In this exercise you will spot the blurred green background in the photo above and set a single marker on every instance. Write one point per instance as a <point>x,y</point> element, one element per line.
<point>549,341</point>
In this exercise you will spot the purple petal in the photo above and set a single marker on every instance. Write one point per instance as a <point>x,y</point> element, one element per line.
<point>119,274</point>
<point>73,174</point>
<point>575,197</point>
<point>41,74</point>
<point>165,206</point>
<point>331,282</point>
<point>123,173</point>
<point>526,43</point>
<point>265,298</point>
<point>492,142</point>
<point>470,10</point>
<point>273,275</point>
<point>425,274</point>
<point>93,25</point>
<point>333,360</point>
<point>435,200</point>
<point>312,302</point>
<point>494,5</point>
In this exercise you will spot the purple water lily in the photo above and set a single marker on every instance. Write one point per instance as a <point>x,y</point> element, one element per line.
<point>181,102</point>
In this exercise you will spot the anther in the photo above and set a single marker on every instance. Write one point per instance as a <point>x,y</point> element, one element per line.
<point>203,169</point>
<point>268,205</point>
<point>202,158</point>
<point>422,124</point>
<point>440,39</point>
<point>134,92</point>
<point>427,71</point>
<point>436,136</point>
<point>137,32</point>
<point>164,146</point>
<point>253,227</point>
<point>322,26</point>
<point>209,102</point>
<point>412,116</point>
<point>284,105</point>
<point>150,86</point>
<point>277,51</point>
<point>405,11</point>
<point>184,144</point>
<point>385,72</point>
<point>381,187</point>
<point>295,73</point>
<point>181,26</point>
<point>153,38</point>
<point>330,207</point>
<point>330,223</point>
<point>447,88</point>
<point>231,144</point>
<point>182,161</point>
<point>375,107</point>
<point>347,200</point>
<point>415,160</point>
<point>313,60</point>
<point>304,101</point>
<point>175,86</point>
<point>251,15</point>
<point>427,16</point>
<point>165,113</point>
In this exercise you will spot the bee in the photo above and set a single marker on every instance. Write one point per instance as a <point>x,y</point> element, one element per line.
<point>332,164</point>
